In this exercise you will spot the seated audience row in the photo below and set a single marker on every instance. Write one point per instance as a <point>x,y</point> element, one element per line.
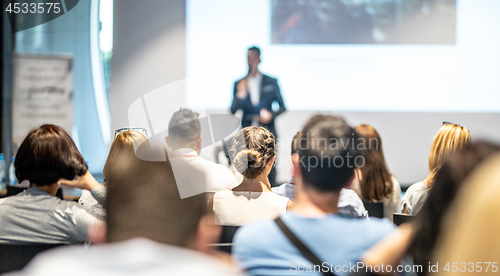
<point>254,155</point>
<point>158,220</point>
<point>150,230</point>
<point>312,233</point>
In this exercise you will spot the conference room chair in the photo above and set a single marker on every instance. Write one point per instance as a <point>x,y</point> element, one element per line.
<point>13,190</point>
<point>401,218</point>
<point>226,239</point>
<point>16,256</point>
<point>375,209</point>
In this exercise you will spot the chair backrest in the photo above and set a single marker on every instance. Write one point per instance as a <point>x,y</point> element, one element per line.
<point>13,190</point>
<point>226,238</point>
<point>401,218</point>
<point>375,209</point>
<point>16,256</point>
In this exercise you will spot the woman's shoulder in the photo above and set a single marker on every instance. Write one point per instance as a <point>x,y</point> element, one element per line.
<point>415,187</point>
<point>395,181</point>
<point>396,186</point>
<point>223,194</point>
<point>277,197</point>
<point>260,196</point>
<point>416,192</point>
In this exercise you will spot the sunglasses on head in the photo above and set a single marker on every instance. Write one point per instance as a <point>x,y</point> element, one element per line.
<point>138,129</point>
<point>450,123</point>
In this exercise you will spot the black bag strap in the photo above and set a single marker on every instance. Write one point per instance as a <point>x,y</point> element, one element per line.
<point>304,250</point>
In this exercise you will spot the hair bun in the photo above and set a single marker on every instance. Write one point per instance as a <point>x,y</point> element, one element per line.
<point>249,162</point>
<point>253,148</point>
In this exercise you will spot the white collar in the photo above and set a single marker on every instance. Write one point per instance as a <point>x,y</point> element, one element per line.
<point>257,76</point>
<point>185,152</point>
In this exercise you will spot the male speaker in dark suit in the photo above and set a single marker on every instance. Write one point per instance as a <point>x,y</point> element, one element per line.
<point>256,94</point>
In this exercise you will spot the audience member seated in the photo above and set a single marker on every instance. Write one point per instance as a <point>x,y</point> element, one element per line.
<point>349,202</point>
<point>450,137</point>
<point>253,154</point>
<point>470,232</point>
<point>321,170</point>
<point>193,173</point>
<point>125,142</point>
<point>150,230</point>
<point>45,158</point>
<point>375,182</point>
<point>426,229</point>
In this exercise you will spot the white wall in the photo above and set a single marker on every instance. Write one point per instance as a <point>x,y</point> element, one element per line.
<point>406,137</point>
<point>149,52</point>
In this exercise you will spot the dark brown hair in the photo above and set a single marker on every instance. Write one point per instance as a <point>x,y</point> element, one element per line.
<point>48,154</point>
<point>253,148</point>
<point>184,127</point>
<point>319,142</point>
<point>295,141</point>
<point>376,182</point>
<point>255,49</point>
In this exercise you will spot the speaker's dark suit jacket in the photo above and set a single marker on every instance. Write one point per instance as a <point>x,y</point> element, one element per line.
<point>269,93</point>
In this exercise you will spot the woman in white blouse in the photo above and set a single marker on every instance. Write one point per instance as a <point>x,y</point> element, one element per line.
<point>253,155</point>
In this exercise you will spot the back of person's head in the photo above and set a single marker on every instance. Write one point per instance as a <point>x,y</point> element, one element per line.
<point>126,142</point>
<point>376,183</point>
<point>143,201</point>
<point>46,155</point>
<point>184,128</point>
<point>253,148</point>
<point>448,181</point>
<point>450,137</point>
<point>470,228</point>
<point>328,153</point>
<point>295,142</point>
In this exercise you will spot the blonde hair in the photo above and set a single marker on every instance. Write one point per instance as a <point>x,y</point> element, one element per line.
<point>470,230</point>
<point>450,137</point>
<point>125,142</point>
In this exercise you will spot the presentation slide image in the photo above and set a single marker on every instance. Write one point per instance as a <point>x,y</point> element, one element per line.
<point>363,22</point>
<point>459,77</point>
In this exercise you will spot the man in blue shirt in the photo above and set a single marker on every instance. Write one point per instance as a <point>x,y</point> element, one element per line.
<point>328,153</point>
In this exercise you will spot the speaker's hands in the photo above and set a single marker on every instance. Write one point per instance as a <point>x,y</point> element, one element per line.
<point>242,89</point>
<point>265,116</point>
